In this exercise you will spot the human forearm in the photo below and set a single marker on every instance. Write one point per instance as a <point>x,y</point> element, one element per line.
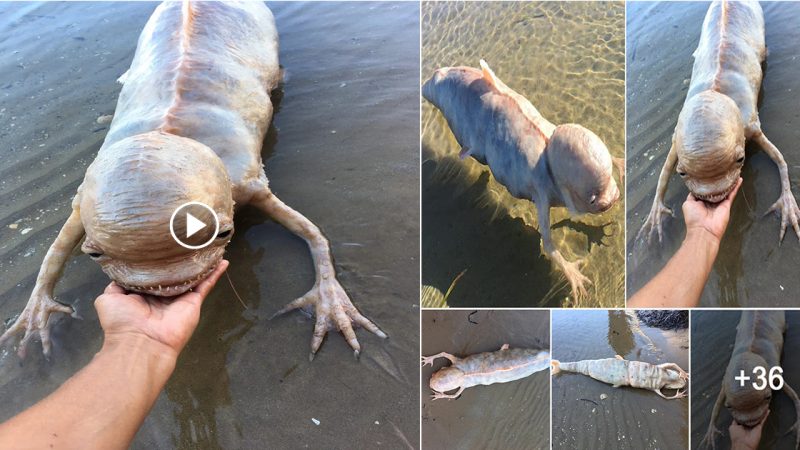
<point>103,405</point>
<point>682,280</point>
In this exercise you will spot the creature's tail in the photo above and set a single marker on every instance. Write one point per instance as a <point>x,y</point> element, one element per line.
<point>555,366</point>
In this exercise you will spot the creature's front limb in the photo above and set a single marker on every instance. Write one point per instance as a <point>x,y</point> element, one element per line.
<point>678,394</point>
<point>652,224</point>
<point>710,438</point>
<point>35,318</point>
<point>332,306</point>
<point>683,374</point>
<point>796,427</point>
<point>786,203</point>
<point>430,359</point>
<point>438,395</point>
<point>571,269</point>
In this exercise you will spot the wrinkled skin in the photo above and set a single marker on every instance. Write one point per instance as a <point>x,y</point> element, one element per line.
<point>565,165</point>
<point>190,121</point>
<point>720,113</point>
<point>759,343</point>
<point>620,372</point>
<point>486,368</point>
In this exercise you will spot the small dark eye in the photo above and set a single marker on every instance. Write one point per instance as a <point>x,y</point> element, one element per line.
<point>95,255</point>
<point>223,234</point>
<point>740,160</point>
<point>683,174</point>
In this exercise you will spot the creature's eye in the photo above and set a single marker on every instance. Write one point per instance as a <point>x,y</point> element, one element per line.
<point>740,160</point>
<point>224,234</point>
<point>683,174</point>
<point>593,199</point>
<point>95,255</point>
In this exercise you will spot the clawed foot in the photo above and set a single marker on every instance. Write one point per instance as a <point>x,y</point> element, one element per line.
<point>35,320</point>
<point>576,279</point>
<point>439,395</point>
<point>428,360</point>
<point>333,310</point>
<point>790,213</point>
<point>709,441</point>
<point>653,224</point>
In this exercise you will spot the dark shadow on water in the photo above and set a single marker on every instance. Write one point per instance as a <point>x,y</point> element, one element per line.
<point>503,255</point>
<point>594,234</point>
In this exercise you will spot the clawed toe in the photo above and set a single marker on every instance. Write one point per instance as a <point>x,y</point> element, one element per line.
<point>35,320</point>
<point>333,310</point>
<point>787,207</point>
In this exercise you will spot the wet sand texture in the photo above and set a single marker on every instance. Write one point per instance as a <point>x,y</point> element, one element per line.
<point>751,269</point>
<point>568,60</point>
<point>512,415</point>
<point>627,418</point>
<point>713,335</point>
<point>343,149</point>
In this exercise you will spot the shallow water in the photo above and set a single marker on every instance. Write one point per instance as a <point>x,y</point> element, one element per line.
<point>751,269</point>
<point>627,418</point>
<point>568,60</point>
<point>505,415</point>
<point>713,335</point>
<point>343,150</point>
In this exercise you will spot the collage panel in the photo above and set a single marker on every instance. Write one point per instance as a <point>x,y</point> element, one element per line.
<point>484,379</point>
<point>522,145</point>
<point>620,379</point>
<point>699,117</point>
<point>242,381</point>
<point>744,379</point>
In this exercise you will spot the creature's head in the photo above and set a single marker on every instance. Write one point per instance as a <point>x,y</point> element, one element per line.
<point>447,379</point>
<point>709,141</point>
<point>675,379</point>
<point>747,405</point>
<point>441,87</point>
<point>126,202</point>
<point>582,169</point>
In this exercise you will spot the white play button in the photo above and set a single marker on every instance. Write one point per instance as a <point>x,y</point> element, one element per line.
<point>192,220</point>
<point>193,225</point>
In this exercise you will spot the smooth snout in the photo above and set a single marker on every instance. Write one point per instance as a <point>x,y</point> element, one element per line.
<point>609,198</point>
<point>447,379</point>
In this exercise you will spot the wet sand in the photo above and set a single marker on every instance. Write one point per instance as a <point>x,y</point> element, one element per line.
<point>713,335</point>
<point>627,418</point>
<point>568,60</point>
<point>751,269</point>
<point>506,415</point>
<point>343,150</point>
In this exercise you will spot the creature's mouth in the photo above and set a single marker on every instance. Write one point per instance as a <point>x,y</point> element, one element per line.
<point>169,290</point>
<point>750,422</point>
<point>715,198</point>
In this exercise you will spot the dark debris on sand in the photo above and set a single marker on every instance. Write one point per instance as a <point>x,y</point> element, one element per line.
<point>664,319</point>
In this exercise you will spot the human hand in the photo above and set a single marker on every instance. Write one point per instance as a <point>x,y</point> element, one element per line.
<point>167,324</point>
<point>746,438</point>
<point>707,220</point>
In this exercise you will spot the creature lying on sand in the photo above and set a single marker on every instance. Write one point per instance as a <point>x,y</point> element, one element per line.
<point>189,126</point>
<point>502,366</point>
<point>619,372</point>
<point>719,114</point>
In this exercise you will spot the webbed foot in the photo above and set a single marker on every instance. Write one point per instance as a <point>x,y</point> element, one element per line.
<point>333,310</point>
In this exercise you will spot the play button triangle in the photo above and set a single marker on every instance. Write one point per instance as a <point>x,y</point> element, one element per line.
<point>193,225</point>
